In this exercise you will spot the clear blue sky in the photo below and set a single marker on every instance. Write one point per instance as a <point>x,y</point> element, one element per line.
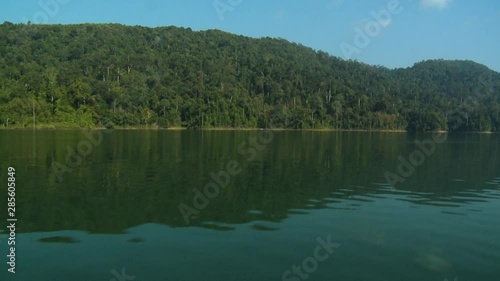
<point>423,29</point>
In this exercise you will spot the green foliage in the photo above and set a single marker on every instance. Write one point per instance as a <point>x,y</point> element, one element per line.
<point>172,77</point>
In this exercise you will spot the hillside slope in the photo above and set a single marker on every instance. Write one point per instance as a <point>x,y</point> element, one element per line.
<point>77,75</point>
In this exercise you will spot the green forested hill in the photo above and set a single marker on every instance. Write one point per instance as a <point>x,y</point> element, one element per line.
<point>77,75</point>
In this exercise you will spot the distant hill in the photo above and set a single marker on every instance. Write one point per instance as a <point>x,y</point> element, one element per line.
<point>78,75</point>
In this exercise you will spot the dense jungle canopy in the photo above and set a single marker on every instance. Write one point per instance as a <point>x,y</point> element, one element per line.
<point>79,75</point>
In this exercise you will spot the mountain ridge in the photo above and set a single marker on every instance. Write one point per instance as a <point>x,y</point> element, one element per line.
<point>170,77</point>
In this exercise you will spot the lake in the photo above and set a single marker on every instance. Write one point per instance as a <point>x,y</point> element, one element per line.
<point>251,205</point>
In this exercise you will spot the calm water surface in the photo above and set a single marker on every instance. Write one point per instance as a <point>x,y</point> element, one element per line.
<point>118,210</point>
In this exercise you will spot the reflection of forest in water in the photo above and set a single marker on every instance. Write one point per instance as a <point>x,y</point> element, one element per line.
<point>138,177</point>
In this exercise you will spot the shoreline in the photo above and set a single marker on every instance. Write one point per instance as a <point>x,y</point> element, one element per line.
<point>64,128</point>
